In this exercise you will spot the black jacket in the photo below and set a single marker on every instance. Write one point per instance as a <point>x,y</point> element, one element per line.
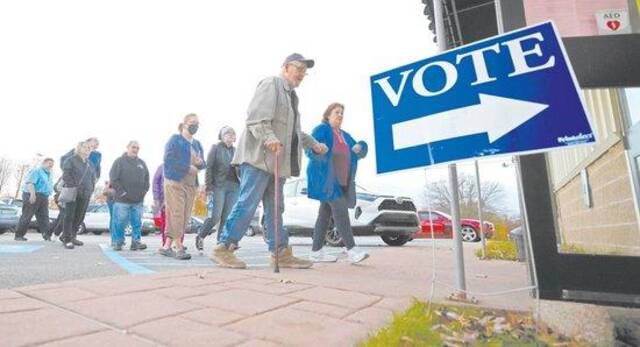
<point>219,166</point>
<point>79,173</point>
<point>130,179</point>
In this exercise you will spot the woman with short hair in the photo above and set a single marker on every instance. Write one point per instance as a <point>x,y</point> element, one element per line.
<point>331,180</point>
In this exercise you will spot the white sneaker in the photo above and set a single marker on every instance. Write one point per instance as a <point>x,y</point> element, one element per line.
<point>321,257</point>
<point>356,255</point>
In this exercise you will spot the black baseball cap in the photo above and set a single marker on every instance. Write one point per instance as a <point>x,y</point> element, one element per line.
<point>298,57</point>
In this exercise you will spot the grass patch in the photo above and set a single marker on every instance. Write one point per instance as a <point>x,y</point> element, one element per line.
<point>463,326</point>
<point>501,250</point>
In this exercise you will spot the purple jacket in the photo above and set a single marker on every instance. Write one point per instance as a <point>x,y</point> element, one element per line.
<point>158,184</point>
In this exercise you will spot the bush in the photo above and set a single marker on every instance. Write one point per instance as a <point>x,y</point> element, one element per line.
<point>501,250</point>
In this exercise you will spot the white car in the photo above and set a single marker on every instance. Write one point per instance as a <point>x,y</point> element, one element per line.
<point>97,218</point>
<point>394,219</point>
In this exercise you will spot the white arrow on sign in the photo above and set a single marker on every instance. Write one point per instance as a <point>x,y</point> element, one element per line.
<point>494,115</point>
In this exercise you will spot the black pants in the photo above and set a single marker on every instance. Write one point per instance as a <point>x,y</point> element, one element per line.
<point>40,209</point>
<point>74,216</point>
<point>56,228</point>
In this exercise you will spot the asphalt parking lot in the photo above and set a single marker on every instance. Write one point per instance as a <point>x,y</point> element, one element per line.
<point>38,261</point>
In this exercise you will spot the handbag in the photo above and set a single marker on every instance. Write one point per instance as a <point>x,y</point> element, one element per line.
<point>69,194</point>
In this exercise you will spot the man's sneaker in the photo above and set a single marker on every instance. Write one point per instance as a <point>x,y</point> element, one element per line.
<point>68,245</point>
<point>322,257</point>
<point>182,255</point>
<point>167,252</point>
<point>199,243</point>
<point>77,242</point>
<point>224,257</point>
<point>137,246</point>
<point>20,238</point>
<point>356,255</point>
<point>287,260</point>
<point>117,247</point>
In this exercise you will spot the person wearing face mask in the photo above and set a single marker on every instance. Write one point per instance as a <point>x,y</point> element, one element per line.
<point>35,197</point>
<point>77,173</point>
<point>183,158</point>
<point>222,183</point>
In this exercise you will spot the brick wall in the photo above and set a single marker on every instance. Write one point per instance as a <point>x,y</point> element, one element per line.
<point>610,226</point>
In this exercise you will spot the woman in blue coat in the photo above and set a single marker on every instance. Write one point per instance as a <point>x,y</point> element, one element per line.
<point>331,180</point>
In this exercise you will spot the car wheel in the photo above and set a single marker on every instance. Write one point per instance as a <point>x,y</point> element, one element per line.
<point>82,229</point>
<point>2,231</point>
<point>145,232</point>
<point>396,240</point>
<point>469,234</point>
<point>97,232</point>
<point>333,237</point>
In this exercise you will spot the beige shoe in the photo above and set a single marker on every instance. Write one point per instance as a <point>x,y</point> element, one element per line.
<point>287,260</point>
<point>224,257</point>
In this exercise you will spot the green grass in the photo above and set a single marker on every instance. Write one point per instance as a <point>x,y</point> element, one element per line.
<point>464,326</point>
<point>500,250</point>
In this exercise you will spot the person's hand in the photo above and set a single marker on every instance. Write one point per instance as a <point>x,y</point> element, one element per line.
<point>198,161</point>
<point>273,145</point>
<point>320,148</point>
<point>32,199</point>
<point>356,148</point>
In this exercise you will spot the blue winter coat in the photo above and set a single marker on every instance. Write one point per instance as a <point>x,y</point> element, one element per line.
<point>322,182</point>
<point>177,157</point>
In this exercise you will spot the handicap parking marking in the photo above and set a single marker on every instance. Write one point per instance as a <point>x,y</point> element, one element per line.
<point>19,248</point>
<point>124,263</point>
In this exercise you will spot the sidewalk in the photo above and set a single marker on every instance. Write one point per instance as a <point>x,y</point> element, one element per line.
<point>329,305</point>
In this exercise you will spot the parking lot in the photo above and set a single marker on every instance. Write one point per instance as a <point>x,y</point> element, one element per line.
<point>38,261</point>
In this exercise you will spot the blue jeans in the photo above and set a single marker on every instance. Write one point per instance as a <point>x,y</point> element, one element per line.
<point>112,229</point>
<point>220,202</point>
<point>123,215</point>
<point>255,186</point>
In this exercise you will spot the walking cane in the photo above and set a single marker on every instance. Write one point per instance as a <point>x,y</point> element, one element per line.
<point>276,181</point>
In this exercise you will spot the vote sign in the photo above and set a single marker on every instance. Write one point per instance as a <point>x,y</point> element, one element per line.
<point>510,94</point>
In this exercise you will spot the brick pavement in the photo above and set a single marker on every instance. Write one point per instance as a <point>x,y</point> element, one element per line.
<point>330,305</point>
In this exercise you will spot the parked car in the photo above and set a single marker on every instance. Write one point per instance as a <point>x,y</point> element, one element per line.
<point>11,201</point>
<point>394,219</point>
<point>97,220</point>
<point>9,217</point>
<point>442,227</point>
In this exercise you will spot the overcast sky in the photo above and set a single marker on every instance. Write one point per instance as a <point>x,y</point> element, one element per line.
<point>124,70</point>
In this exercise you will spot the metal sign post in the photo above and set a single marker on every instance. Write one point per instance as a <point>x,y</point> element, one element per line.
<point>461,284</point>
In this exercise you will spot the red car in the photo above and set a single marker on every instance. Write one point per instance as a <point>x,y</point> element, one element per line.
<point>442,227</point>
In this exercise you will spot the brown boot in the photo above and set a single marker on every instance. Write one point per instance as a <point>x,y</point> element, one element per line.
<point>224,257</point>
<point>287,260</point>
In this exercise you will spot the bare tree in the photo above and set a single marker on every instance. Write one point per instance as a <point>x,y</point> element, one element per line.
<point>440,195</point>
<point>6,170</point>
<point>21,172</point>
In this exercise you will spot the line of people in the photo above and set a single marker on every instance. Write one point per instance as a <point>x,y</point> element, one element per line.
<point>236,180</point>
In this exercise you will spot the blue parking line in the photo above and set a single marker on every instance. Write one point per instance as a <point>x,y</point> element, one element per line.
<point>19,248</point>
<point>124,263</point>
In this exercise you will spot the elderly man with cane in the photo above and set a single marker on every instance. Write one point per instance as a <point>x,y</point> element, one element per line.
<point>269,151</point>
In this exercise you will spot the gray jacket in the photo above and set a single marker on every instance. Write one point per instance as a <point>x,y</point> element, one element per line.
<point>219,167</point>
<point>271,116</point>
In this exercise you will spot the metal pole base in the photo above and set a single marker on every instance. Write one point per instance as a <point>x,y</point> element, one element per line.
<point>462,297</point>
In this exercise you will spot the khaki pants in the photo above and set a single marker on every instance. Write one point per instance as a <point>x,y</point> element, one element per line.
<point>179,198</point>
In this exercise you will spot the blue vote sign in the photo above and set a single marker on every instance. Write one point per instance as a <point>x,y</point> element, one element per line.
<point>510,94</point>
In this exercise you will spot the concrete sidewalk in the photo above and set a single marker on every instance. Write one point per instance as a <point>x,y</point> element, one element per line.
<point>329,305</point>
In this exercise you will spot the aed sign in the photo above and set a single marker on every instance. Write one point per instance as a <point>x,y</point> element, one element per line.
<point>612,22</point>
<point>513,93</point>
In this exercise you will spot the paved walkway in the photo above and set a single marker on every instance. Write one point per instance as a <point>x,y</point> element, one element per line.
<point>330,305</point>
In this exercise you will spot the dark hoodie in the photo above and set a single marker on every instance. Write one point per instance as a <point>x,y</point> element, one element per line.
<point>130,179</point>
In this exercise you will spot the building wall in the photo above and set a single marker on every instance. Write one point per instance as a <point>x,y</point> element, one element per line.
<point>572,17</point>
<point>609,225</point>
